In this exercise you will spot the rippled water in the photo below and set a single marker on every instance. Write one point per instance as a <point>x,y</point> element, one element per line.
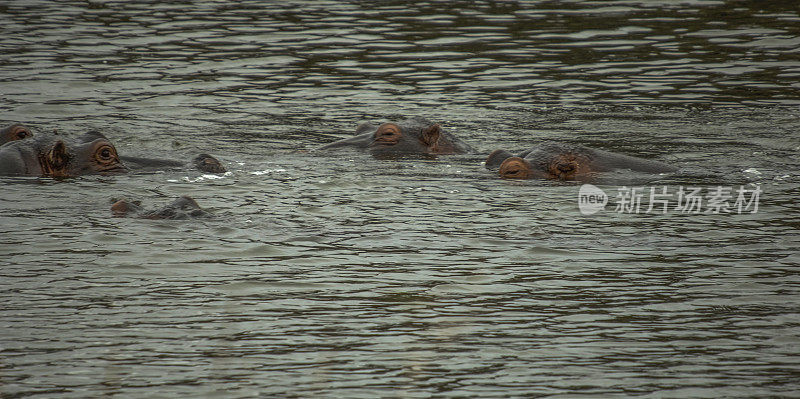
<point>339,275</point>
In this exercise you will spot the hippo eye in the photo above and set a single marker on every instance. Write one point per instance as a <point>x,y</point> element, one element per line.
<point>387,133</point>
<point>22,133</point>
<point>105,154</point>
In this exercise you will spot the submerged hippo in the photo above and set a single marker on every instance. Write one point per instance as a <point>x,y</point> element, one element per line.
<point>562,161</point>
<point>411,136</point>
<point>182,208</point>
<point>202,162</point>
<point>56,156</point>
<point>14,132</point>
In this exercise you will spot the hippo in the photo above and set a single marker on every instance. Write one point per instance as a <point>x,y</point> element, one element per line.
<point>14,132</point>
<point>411,136</point>
<point>202,162</point>
<point>183,207</point>
<point>56,156</point>
<point>561,161</point>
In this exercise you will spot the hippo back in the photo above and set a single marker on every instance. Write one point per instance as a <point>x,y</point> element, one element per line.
<point>599,160</point>
<point>610,161</point>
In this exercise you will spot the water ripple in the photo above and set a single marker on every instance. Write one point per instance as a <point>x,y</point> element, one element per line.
<point>342,275</point>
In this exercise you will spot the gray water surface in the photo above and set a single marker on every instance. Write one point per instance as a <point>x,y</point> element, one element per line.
<point>340,275</point>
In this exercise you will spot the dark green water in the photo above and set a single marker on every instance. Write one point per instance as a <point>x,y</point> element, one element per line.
<point>340,275</point>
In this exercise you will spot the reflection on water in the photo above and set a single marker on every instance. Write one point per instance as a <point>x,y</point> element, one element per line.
<point>341,275</point>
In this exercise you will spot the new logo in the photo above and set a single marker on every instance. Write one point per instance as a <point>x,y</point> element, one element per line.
<point>591,199</point>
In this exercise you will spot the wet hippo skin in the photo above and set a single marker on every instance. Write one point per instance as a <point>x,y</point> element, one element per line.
<point>561,161</point>
<point>183,207</point>
<point>411,136</point>
<point>14,132</point>
<point>203,162</point>
<point>57,156</point>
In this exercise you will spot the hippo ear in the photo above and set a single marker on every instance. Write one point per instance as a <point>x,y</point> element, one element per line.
<point>54,162</point>
<point>430,135</point>
<point>58,157</point>
<point>365,127</point>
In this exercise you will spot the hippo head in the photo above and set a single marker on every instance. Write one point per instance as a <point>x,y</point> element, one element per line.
<point>392,138</point>
<point>182,208</point>
<point>414,136</point>
<point>207,163</point>
<point>14,132</point>
<point>56,156</point>
<point>92,154</point>
<point>563,166</point>
<point>123,207</point>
